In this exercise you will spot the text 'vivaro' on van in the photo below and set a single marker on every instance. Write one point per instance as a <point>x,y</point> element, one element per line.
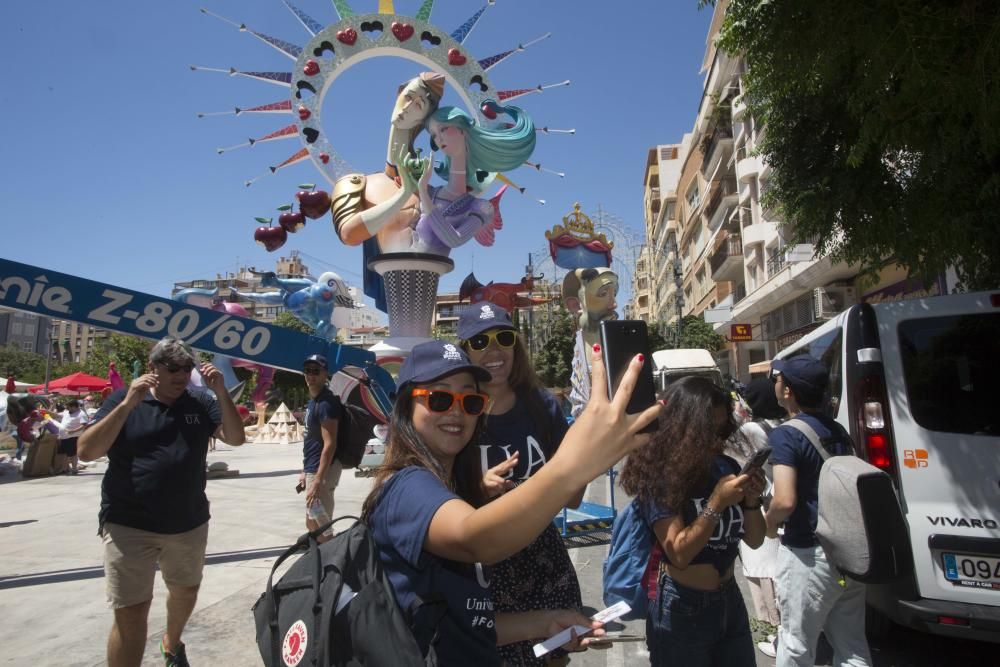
<point>916,384</point>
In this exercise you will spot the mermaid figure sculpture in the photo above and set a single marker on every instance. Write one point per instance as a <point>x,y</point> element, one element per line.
<point>451,215</point>
<point>315,303</point>
<point>375,209</point>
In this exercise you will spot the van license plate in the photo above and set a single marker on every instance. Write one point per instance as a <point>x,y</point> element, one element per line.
<point>972,571</point>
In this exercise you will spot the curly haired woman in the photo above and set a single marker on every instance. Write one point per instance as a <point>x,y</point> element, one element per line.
<point>699,506</point>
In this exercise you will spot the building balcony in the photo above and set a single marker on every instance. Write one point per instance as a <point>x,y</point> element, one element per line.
<point>721,199</point>
<point>716,148</point>
<point>776,262</point>
<point>727,260</point>
<point>747,167</point>
<point>739,107</point>
<point>761,232</point>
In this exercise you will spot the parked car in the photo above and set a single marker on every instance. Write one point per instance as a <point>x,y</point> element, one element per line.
<point>915,383</point>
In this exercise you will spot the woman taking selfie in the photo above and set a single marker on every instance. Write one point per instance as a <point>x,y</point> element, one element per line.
<point>523,431</point>
<point>435,535</point>
<point>699,507</point>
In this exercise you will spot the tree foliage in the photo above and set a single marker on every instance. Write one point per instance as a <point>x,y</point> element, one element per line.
<point>882,127</point>
<point>695,333</point>
<point>553,361</point>
<point>22,366</point>
<point>287,320</point>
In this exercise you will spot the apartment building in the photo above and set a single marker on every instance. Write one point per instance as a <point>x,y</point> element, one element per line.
<point>734,260</point>
<point>26,331</point>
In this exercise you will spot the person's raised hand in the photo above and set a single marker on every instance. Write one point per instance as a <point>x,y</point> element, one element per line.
<point>213,378</point>
<point>755,487</point>
<point>495,481</point>
<point>139,387</point>
<point>604,432</point>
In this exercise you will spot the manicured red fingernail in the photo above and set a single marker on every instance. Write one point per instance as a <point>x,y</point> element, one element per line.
<point>642,358</point>
<point>597,348</point>
<point>663,401</point>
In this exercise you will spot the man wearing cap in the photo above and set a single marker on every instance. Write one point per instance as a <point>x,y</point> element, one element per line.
<point>154,512</point>
<point>320,468</point>
<point>812,596</point>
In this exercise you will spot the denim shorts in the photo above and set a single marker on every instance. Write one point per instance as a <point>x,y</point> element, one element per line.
<point>696,628</point>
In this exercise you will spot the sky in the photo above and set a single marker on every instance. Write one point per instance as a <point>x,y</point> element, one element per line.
<point>109,174</point>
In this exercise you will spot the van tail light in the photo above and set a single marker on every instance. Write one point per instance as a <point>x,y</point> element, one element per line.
<point>952,620</point>
<point>874,423</point>
<point>995,300</point>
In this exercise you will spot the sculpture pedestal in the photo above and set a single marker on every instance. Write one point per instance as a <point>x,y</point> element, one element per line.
<point>411,282</point>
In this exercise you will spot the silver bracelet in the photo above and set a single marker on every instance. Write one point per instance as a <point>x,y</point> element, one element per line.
<point>710,513</point>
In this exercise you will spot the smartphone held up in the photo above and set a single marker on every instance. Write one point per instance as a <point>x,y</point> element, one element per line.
<point>621,341</point>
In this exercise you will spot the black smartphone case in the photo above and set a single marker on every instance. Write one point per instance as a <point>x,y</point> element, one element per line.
<point>621,340</point>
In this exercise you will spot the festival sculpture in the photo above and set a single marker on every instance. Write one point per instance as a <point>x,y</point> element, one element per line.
<point>506,295</point>
<point>209,298</point>
<point>408,227</point>
<point>590,295</point>
<point>324,304</point>
<point>589,291</point>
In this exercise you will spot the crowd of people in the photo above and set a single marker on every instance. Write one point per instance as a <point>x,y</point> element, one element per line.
<point>479,459</point>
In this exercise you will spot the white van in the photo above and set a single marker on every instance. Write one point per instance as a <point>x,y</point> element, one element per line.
<point>669,365</point>
<point>916,384</point>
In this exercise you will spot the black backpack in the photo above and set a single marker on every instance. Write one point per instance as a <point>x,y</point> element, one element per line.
<point>356,428</point>
<point>334,606</point>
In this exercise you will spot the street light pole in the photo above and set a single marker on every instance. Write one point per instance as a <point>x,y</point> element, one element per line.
<point>48,356</point>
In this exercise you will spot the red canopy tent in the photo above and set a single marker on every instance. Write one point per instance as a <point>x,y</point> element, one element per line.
<point>77,383</point>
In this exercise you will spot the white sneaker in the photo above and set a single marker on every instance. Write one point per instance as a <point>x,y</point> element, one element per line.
<point>771,638</point>
<point>770,648</point>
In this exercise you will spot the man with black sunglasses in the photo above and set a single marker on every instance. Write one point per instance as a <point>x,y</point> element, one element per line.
<point>320,468</point>
<point>154,512</point>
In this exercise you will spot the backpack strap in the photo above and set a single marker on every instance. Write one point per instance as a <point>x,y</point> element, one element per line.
<point>805,429</point>
<point>764,426</point>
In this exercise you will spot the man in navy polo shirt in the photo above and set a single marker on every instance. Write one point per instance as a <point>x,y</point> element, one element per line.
<point>154,511</point>
<point>812,596</point>
<point>320,468</point>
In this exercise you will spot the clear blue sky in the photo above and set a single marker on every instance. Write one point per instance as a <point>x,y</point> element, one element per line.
<point>109,175</point>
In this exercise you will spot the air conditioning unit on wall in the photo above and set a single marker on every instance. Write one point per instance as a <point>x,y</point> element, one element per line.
<point>828,301</point>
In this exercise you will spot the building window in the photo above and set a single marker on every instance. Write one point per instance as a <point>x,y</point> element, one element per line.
<point>16,328</point>
<point>29,346</point>
<point>693,197</point>
<point>671,211</point>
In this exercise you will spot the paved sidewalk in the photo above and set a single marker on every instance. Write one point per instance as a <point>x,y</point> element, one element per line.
<point>52,595</point>
<point>52,598</point>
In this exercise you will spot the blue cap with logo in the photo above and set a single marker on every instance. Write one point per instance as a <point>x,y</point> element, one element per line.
<point>806,376</point>
<point>435,359</point>
<point>317,359</point>
<point>480,317</point>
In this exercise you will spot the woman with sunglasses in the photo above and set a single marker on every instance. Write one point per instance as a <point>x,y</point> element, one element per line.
<point>699,507</point>
<point>522,432</point>
<point>434,531</point>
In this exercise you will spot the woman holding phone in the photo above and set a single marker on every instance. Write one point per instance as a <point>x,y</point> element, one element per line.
<point>524,428</point>
<point>436,536</point>
<point>699,506</point>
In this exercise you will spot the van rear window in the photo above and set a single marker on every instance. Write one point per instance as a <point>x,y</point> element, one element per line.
<point>947,364</point>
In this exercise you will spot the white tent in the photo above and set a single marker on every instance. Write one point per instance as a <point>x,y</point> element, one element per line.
<point>281,429</point>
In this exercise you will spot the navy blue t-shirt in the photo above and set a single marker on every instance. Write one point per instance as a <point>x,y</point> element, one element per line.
<point>325,406</point>
<point>514,431</point>
<point>723,545</point>
<point>399,524</point>
<point>792,448</point>
<point>155,479</point>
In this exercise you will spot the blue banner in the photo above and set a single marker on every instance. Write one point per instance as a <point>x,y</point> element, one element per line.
<point>45,292</point>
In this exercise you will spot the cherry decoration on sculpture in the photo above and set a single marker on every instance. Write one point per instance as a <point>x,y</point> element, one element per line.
<point>407,226</point>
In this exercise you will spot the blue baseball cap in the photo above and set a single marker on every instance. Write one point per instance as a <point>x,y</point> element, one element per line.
<point>479,317</point>
<point>436,359</point>
<point>317,359</point>
<point>806,376</point>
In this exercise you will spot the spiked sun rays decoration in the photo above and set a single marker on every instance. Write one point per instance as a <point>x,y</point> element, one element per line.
<point>357,37</point>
